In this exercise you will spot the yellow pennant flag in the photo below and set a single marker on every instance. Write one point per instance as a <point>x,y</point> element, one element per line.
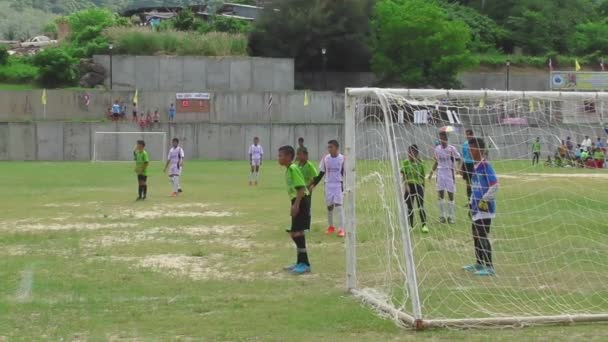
<point>44,97</point>
<point>531,105</point>
<point>135,97</point>
<point>306,102</point>
<point>577,66</point>
<point>482,103</point>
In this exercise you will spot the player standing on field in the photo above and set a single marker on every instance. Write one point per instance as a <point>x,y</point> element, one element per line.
<point>445,157</point>
<point>175,164</point>
<point>483,209</point>
<point>309,171</point>
<point>413,174</point>
<point>300,208</point>
<point>468,164</point>
<point>256,153</point>
<point>332,165</point>
<point>536,151</point>
<point>142,161</point>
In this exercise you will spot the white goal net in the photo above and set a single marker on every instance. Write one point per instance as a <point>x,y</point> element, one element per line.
<point>119,146</point>
<point>550,234</point>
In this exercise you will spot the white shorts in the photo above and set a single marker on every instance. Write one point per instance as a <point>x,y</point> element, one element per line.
<point>445,180</point>
<point>175,171</point>
<point>256,162</point>
<point>333,194</point>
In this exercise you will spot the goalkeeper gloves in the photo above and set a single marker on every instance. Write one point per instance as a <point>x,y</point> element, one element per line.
<point>483,205</point>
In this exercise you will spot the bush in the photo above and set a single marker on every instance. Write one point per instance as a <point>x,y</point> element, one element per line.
<point>3,55</point>
<point>57,67</point>
<point>138,41</point>
<point>18,70</point>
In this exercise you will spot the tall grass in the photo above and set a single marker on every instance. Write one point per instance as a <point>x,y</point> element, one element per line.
<point>142,41</point>
<point>18,70</point>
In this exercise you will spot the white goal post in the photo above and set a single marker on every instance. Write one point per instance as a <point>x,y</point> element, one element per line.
<point>551,255</point>
<point>118,146</point>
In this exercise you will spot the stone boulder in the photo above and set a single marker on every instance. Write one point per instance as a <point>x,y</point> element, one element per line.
<point>93,74</point>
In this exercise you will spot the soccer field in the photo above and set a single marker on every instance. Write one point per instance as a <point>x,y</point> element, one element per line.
<point>81,260</point>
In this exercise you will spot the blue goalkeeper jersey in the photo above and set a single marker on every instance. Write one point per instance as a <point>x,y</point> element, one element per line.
<point>466,154</point>
<point>483,178</point>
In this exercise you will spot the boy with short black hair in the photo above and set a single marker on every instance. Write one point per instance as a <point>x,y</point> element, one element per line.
<point>445,157</point>
<point>175,159</point>
<point>413,174</point>
<point>483,209</point>
<point>300,208</point>
<point>301,145</point>
<point>141,169</point>
<point>332,165</point>
<point>256,154</point>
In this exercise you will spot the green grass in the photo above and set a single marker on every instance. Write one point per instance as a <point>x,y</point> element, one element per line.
<point>10,86</point>
<point>208,264</point>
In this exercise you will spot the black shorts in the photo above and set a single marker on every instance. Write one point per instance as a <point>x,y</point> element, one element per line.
<point>142,178</point>
<point>467,171</point>
<point>301,222</point>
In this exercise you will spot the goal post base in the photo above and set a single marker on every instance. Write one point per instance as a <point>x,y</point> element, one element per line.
<point>469,323</point>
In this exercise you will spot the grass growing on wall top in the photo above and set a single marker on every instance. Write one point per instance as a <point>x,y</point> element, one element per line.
<point>139,41</point>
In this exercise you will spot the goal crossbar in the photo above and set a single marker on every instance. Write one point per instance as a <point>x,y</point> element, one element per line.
<point>477,93</point>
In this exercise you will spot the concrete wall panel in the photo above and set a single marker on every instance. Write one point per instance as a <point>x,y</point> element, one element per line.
<point>208,141</point>
<point>4,141</point>
<point>240,74</point>
<point>194,74</point>
<point>263,74</point>
<point>218,74</point>
<point>171,73</point>
<point>187,135</point>
<point>125,70</point>
<point>49,139</point>
<point>147,73</point>
<point>22,141</point>
<point>76,141</point>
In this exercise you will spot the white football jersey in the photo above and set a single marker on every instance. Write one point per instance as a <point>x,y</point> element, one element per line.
<point>333,168</point>
<point>256,151</point>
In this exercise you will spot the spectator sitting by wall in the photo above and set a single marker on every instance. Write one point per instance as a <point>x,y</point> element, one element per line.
<point>599,157</point>
<point>115,111</point>
<point>171,113</point>
<point>577,156</point>
<point>142,120</point>
<point>123,111</point>
<point>570,147</point>
<point>156,118</point>
<point>601,144</point>
<point>134,112</point>
<point>563,151</point>
<point>586,144</point>
<point>148,118</point>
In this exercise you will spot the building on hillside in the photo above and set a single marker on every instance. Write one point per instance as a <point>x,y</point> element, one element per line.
<point>152,16</point>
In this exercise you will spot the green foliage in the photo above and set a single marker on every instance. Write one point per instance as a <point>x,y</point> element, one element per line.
<point>3,54</point>
<point>17,70</point>
<point>136,41</point>
<point>591,38</point>
<point>417,45</point>
<point>230,25</point>
<point>22,24</point>
<point>486,34</point>
<point>299,29</point>
<point>184,21</point>
<point>57,67</point>
<point>50,30</point>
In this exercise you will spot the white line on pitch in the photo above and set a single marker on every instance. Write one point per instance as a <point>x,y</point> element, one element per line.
<point>24,292</point>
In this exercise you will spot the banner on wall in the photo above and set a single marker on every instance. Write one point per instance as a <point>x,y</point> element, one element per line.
<point>193,102</point>
<point>584,81</point>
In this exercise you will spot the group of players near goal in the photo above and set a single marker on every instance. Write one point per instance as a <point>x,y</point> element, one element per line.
<point>301,178</point>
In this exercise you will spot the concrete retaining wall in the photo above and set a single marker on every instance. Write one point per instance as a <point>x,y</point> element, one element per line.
<point>57,141</point>
<point>229,141</point>
<point>196,74</point>
<point>225,107</point>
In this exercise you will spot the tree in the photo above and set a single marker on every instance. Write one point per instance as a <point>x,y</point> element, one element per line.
<point>56,66</point>
<point>184,20</point>
<point>486,34</point>
<point>416,45</point>
<point>299,29</point>
<point>3,54</point>
<point>591,38</point>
